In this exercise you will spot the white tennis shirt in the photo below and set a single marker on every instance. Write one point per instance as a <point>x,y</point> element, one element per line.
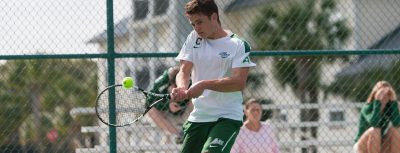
<point>214,59</point>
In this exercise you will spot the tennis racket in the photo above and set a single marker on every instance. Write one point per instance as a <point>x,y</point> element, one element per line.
<point>130,105</point>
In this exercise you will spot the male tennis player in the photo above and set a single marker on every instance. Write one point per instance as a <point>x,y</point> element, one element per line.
<point>218,63</point>
<point>169,115</point>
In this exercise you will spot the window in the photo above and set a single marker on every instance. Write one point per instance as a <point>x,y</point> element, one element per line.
<point>336,116</point>
<point>283,117</point>
<point>160,6</point>
<point>141,9</point>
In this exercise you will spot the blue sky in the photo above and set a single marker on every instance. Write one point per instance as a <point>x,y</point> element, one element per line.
<point>55,26</point>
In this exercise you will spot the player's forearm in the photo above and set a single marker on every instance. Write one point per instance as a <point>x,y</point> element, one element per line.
<point>182,80</point>
<point>228,84</point>
<point>236,82</point>
<point>183,76</point>
<point>162,122</point>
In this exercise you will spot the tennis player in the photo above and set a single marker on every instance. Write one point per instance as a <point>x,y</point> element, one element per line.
<point>169,115</point>
<point>218,62</point>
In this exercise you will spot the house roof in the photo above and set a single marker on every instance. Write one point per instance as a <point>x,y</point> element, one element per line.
<point>120,30</point>
<point>390,41</point>
<point>367,62</point>
<point>240,4</point>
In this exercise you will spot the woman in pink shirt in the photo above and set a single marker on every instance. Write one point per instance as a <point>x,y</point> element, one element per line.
<point>255,136</point>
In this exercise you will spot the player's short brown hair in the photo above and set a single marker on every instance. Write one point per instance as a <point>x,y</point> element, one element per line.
<point>205,7</point>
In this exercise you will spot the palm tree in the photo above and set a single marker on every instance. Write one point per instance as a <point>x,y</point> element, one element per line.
<point>304,25</point>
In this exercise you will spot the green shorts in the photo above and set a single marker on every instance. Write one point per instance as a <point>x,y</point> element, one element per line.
<point>212,137</point>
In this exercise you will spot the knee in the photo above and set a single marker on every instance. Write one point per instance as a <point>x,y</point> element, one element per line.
<point>395,129</point>
<point>394,132</point>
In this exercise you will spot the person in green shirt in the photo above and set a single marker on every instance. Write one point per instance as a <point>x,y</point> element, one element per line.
<point>379,124</point>
<point>169,115</point>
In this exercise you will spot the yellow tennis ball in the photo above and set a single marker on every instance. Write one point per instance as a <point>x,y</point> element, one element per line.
<point>128,82</point>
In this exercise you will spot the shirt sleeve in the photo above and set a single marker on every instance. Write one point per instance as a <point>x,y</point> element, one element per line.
<point>187,48</point>
<point>242,58</point>
<point>371,113</point>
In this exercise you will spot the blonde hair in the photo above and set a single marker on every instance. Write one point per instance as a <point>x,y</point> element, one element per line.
<point>378,86</point>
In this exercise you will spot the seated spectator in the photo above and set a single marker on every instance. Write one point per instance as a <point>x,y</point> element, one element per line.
<point>379,130</point>
<point>169,115</point>
<point>255,136</point>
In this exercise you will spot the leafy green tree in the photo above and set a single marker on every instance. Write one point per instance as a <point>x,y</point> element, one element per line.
<point>39,95</point>
<point>301,25</point>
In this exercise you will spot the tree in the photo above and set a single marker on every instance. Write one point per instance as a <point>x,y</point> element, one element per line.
<point>43,92</point>
<point>303,25</point>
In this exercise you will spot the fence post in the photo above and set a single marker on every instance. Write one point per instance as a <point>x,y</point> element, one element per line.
<point>111,74</point>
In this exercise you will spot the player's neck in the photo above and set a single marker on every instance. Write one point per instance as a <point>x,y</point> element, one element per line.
<point>219,33</point>
<point>252,125</point>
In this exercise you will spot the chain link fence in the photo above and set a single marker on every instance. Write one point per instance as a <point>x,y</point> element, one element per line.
<point>317,62</point>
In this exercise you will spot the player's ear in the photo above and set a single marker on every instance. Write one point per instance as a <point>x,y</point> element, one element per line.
<point>214,17</point>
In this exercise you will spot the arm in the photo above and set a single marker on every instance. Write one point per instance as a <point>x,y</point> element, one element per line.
<point>371,113</point>
<point>182,81</point>
<point>183,76</point>
<point>236,82</point>
<point>395,115</point>
<point>162,121</point>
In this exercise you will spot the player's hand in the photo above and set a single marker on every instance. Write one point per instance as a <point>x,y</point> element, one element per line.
<point>178,94</point>
<point>391,95</point>
<point>196,90</point>
<point>383,95</point>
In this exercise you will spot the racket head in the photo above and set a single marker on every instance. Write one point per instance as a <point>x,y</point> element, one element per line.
<point>130,105</point>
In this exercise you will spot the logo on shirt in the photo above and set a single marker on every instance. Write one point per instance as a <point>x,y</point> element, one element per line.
<point>246,60</point>
<point>198,40</point>
<point>223,54</point>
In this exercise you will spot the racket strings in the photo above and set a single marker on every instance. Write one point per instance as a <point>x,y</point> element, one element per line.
<point>129,106</point>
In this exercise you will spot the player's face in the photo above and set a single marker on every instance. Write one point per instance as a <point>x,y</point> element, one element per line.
<point>174,107</point>
<point>253,112</point>
<point>205,26</point>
